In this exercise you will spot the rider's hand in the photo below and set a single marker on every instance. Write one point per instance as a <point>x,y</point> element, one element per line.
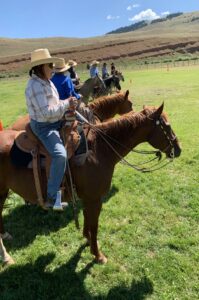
<point>72,103</point>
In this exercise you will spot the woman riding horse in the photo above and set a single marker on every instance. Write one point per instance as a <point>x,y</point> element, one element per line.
<point>108,143</point>
<point>46,110</point>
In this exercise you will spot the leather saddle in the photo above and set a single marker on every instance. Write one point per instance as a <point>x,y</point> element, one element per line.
<point>28,142</point>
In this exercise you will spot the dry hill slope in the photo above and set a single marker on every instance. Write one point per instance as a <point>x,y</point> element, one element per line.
<point>180,34</point>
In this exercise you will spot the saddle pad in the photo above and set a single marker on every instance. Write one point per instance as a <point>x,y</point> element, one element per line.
<point>7,139</point>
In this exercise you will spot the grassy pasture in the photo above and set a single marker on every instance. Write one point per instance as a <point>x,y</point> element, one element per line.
<point>149,223</point>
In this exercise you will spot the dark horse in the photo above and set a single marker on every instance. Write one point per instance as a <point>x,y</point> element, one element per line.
<point>93,179</point>
<point>111,84</point>
<point>103,108</point>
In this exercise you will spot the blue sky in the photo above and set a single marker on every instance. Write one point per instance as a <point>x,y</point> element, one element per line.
<point>80,18</point>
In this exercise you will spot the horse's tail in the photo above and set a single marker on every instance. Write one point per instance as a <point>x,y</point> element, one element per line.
<point>1,126</point>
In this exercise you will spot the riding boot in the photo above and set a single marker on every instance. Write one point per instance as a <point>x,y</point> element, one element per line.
<point>58,205</point>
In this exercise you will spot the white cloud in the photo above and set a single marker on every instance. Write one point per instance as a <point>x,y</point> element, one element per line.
<point>148,14</point>
<point>130,7</point>
<point>165,13</point>
<point>109,17</point>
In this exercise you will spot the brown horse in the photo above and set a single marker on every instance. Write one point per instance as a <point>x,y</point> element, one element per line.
<point>103,108</point>
<point>107,107</point>
<point>93,179</point>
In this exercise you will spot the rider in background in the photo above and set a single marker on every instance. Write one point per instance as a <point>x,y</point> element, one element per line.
<point>113,69</point>
<point>46,111</point>
<point>62,82</point>
<point>105,73</point>
<point>94,69</point>
<point>73,74</point>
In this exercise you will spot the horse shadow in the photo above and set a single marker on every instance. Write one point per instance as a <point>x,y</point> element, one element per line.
<point>25,222</point>
<point>37,281</point>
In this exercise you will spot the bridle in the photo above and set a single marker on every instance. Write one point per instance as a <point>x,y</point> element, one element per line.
<point>162,124</point>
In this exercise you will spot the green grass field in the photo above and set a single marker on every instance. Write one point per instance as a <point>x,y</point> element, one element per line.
<point>149,226</point>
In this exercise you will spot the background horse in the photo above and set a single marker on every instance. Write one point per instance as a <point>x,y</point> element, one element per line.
<point>104,108</point>
<point>107,107</point>
<point>111,84</point>
<point>108,143</point>
<point>87,89</point>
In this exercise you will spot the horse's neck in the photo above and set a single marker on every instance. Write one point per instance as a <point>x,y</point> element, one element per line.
<point>87,87</point>
<point>106,109</point>
<point>126,133</point>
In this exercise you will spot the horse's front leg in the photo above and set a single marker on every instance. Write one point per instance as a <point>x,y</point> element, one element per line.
<point>3,196</point>
<point>7,259</point>
<point>91,216</point>
<point>86,230</point>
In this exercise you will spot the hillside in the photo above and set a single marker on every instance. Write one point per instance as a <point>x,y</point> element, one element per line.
<point>141,24</point>
<point>176,35</point>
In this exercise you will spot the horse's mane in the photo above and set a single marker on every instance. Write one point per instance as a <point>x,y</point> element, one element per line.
<point>107,102</point>
<point>128,121</point>
<point>123,127</point>
<point>87,80</point>
<point>117,127</point>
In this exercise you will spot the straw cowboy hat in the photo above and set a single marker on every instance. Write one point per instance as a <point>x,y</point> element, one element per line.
<point>94,62</point>
<point>60,66</point>
<point>41,57</point>
<point>71,63</point>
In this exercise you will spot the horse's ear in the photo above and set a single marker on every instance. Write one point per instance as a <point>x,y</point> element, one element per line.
<point>126,94</point>
<point>159,110</point>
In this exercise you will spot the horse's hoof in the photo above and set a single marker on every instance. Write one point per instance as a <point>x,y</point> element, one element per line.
<point>6,236</point>
<point>8,262</point>
<point>101,259</point>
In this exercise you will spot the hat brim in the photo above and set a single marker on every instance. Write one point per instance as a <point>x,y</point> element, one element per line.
<point>73,64</point>
<point>61,70</point>
<point>95,63</point>
<point>44,61</point>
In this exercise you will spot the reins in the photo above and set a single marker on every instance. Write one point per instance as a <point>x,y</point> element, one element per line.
<point>158,153</point>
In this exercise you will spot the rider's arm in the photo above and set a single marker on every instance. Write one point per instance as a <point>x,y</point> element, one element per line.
<point>43,102</point>
<point>72,89</point>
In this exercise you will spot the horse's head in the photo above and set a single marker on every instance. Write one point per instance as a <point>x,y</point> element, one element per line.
<point>116,82</point>
<point>162,136</point>
<point>120,75</point>
<point>126,104</point>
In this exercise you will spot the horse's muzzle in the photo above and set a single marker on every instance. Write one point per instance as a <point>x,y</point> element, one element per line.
<point>176,151</point>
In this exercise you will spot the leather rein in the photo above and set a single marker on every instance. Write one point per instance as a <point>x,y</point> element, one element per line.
<point>158,154</point>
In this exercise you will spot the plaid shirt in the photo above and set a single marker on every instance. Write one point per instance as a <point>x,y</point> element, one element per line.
<point>43,102</point>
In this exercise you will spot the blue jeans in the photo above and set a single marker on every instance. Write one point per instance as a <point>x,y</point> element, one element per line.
<point>48,134</point>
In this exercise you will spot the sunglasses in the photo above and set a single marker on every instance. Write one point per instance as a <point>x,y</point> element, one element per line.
<point>51,66</point>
